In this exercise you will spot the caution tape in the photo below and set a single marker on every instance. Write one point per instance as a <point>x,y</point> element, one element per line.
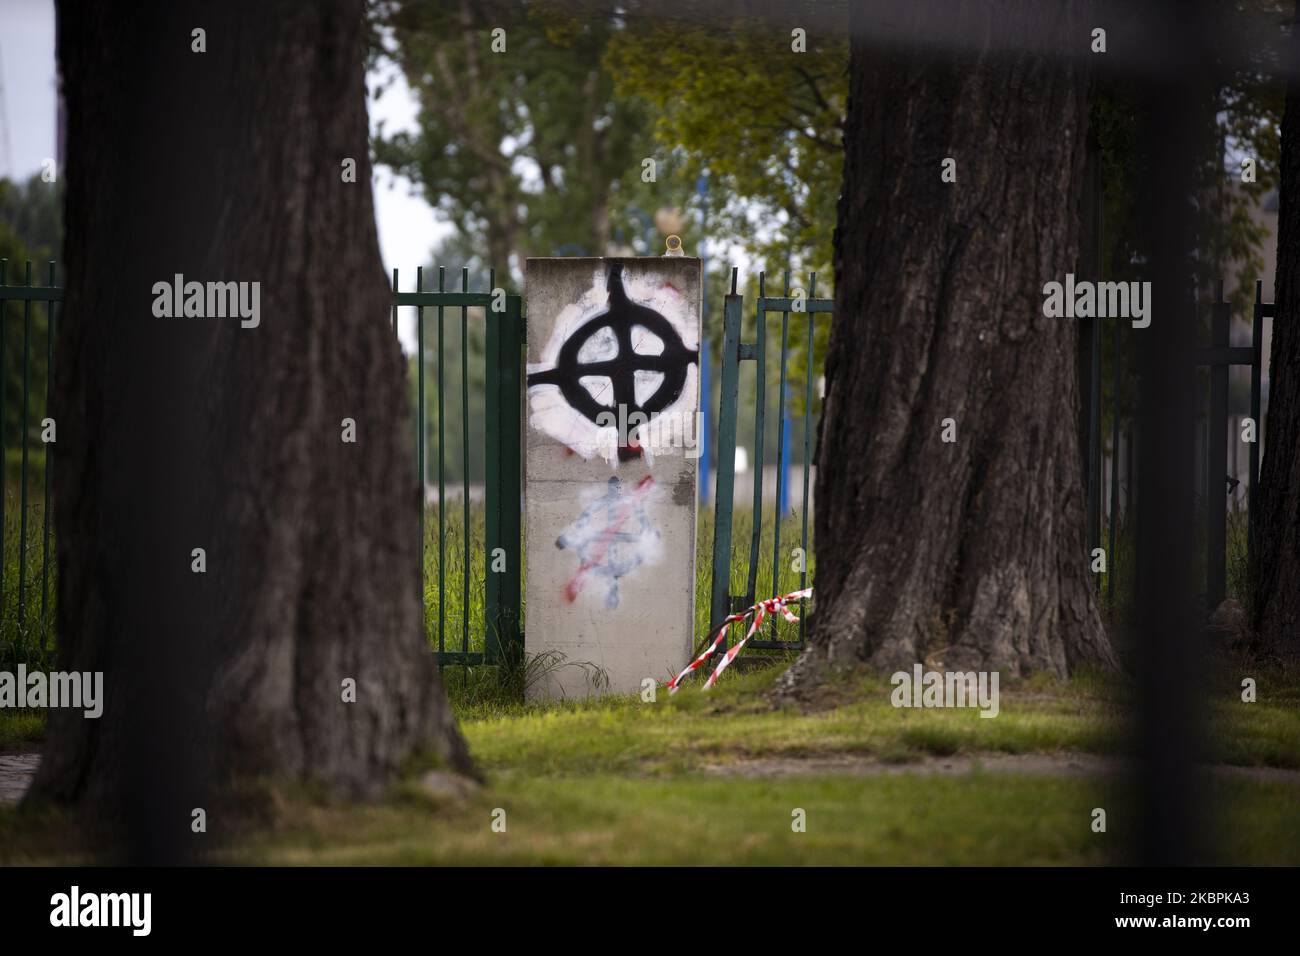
<point>759,610</point>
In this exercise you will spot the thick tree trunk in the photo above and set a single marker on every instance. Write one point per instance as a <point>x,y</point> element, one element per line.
<point>1277,500</point>
<point>184,433</point>
<point>972,552</point>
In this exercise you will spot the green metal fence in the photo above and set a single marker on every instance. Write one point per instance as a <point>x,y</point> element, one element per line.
<point>25,636</point>
<point>503,485</point>
<point>26,460</point>
<point>1217,471</point>
<point>806,308</point>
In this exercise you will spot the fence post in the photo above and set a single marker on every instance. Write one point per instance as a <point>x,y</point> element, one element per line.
<point>1117,384</point>
<point>504,479</point>
<point>49,464</point>
<point>4,455</point>
<point>807,471</point>
<point>1094,439</point>
<point>464,459</point>
<point>1216,449</point>
<point>726,461</point>
<point>760,409</point>
<point>1256,372</point>
<point>22,501</point>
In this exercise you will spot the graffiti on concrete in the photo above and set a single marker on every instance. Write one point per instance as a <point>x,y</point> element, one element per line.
<point>621,359</point>
<point>611,538</point>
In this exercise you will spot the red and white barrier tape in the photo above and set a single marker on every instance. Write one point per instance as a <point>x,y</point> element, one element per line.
<point>759,610</point>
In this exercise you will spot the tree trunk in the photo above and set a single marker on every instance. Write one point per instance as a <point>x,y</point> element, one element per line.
<point>969,553</point>
<point>1277,499</point>
<point>185,433</point>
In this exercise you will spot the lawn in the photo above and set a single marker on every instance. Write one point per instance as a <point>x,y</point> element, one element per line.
<point>21,729</point>
<point>621,781</point>
<point>717,777</point>
<point>596,819</point>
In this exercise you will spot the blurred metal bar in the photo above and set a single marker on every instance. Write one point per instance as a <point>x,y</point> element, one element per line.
<point>760,407</point>
<point>720,602</point>
<point>49,465</point>
<point>1173,110</point>
<point>1216,559</point>
<point>464,455</point>
<point>22,481</point>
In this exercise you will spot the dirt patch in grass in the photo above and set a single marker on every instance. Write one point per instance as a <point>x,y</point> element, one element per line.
<point>1056,765</point>
<point>16,773</point>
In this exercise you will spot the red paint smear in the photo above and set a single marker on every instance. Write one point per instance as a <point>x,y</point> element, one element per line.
<point>574,587</point>
<point>669,285</point>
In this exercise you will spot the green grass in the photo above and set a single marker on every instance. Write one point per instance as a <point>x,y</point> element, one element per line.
<point>26,635</point>
<point>736,721</point>
<point>621,781</point>
<point>1122,563</point>
<point>976,819</point>
<point>613,820</point>
<point>21,728</point>
<point>1263,734</point>
<point>448,593</point>
<point>681,733</point>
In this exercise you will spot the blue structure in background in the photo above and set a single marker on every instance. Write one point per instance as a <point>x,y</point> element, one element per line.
<point>783,461</point>
<point>706,443</point>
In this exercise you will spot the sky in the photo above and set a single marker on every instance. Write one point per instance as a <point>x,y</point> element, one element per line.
<point>28,92</point>
<point>408,228</point>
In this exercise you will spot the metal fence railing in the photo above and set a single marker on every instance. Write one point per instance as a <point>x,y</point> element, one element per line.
<point>1110,447</point>
<point>490,600</point>
<point>734,352</point>
<point>27,445</point>
<point>490,614</point>
<point>26,621</point>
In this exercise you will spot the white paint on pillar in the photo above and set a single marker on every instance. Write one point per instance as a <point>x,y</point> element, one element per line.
<point>609,511</point>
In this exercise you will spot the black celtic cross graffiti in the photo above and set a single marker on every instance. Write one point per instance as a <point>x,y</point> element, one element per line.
<point>622,314</point>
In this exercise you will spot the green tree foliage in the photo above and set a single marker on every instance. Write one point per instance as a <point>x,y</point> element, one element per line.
<point>763,121</point>
<point>1230,238</point>
<point>1244,122</point>
<point>764,124</point>
<point>539,150</point>
<point>529,151</point>
<point>32,211</point>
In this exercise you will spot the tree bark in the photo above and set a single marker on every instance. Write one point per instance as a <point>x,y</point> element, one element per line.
<point>969,553</point>
<point>185,433</point>
<point>1277,499</point>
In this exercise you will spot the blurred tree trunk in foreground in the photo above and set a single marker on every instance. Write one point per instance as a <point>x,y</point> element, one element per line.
<point>185,433</point>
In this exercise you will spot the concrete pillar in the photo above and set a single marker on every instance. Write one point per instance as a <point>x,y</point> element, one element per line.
<point>610,470</point>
